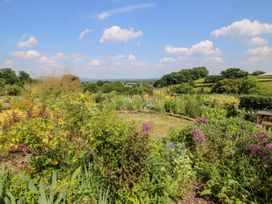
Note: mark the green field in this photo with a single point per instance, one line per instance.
(161, 124)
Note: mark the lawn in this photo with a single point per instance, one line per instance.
(161, 124)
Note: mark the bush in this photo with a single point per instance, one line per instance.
(232, 158)
(227, 86)
(13, 90)
(221, 101)
(256, 102)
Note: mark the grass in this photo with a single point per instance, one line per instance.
(161, 124)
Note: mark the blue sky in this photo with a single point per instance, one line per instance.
(134, 38)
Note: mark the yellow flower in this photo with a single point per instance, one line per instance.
(54, 162)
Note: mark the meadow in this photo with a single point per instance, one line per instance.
(63, 141)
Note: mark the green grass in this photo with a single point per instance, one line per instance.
(161, 124)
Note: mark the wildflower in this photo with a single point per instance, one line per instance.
(254, 149)
(145, 128)
(262, 136)
(198, 135)
(201, 120)
(21, 148)
(268, 147)
(260, 126)
(267, 160)
(54, 162)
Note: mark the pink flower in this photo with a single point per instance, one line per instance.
(262, 136)
(201, 120)
(254, 149)
(198, 135)
(145, 128)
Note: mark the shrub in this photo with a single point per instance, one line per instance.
(13, 90)
(221, 101)
(234, 160)
(227, 86)
(256, 102)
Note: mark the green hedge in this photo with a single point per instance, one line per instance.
(256, 102)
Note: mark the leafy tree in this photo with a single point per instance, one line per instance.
(257, 73)
(183, 76)
(233, 73)
(227, 86)
(249, 86)
(212, 78)
(24, 77)
(9, 76)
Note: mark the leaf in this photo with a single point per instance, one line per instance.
(206, 192)
(42, 198)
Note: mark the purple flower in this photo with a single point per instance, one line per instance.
(201, 120)
(260, 126)
(254, 149)
(198, 135)
(145, 128)
(268, 147)
(262, 136)
(267, 160)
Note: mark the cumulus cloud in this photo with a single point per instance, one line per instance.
(204, 47)
(259, 50)
(94, 63)
(167, 60)
(105, 14)
(244, 27)
(30, 54)
(131, 58)
(117, 57)
(117, 34)
(214, 59)
(84, 32)
(27, 43)
(9, 63)
(257, 41)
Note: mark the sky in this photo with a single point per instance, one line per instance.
(133, 39)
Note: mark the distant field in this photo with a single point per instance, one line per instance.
(160, 123)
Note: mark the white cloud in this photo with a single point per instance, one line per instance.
(84, 32)
(77, 60)
(105, 14)
(259, 50)
(257, 41)
(253, 59)
(131, 58)
(167, 60)
(30, 54)
(27, 43)
(177, 50)
(9, 63)
(117, 57)
(94, 63)
(115, 33)
(214, 59)
(204, 47)
(244, 27)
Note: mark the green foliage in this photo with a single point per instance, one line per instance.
(124, 88)
(257, 73)
(183, 76)
(8, 75)
(182, 89)
(256, 102)
(213, 78)
(228, 86)
(230, 171)
(12, 90)
(233, 73)
(249, 86)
